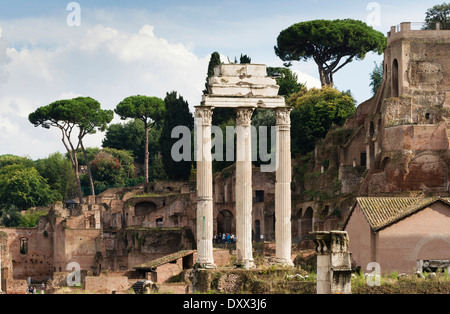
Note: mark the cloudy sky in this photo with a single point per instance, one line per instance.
(109, 50)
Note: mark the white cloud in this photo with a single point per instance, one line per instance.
(106, 64)
(308, 80)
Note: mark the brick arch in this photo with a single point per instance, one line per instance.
(429, 239)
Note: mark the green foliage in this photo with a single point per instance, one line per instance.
(245, 59)
(376, 77)
(150, 110)
(287, 80)
(213, 62)
(314, 112)
(58, 172)
(82, 114)
(177, 114)
(147, 109)
(438, 13)
(24, 187)
(110, 168)
(31, 218)
(328, 43)
(130, 136)
(10, 217)
(7, 160)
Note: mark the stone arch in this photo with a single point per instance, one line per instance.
(385, 162)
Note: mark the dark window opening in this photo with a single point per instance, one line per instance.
(23, 246)
(363, 159)
(259, 196)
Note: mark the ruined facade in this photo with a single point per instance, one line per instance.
(396, 144)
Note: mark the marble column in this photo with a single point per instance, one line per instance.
(203, 118)
(283, 237)
(244, 188)
(333, 262)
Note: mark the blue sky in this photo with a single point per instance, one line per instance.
(147, 47)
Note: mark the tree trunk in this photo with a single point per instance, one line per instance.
(73, 158)
(146, 159)
(77, 178)
(88, 169)
(325, 78)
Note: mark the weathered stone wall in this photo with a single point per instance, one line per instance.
(34, 260)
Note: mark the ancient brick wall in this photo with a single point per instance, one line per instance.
(28, 253)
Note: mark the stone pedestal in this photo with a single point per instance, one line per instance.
(333, 262)
(283, 188)
(244, 188)
(203, 118)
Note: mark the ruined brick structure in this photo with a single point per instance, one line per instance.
(396, 144)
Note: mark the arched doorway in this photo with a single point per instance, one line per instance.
(225, 221)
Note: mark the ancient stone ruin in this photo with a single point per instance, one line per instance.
(243, 87)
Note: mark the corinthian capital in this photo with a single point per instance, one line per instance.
(205, 114)
(244, 116)
(283, 115)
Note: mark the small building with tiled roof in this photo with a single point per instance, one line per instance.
(399, 233)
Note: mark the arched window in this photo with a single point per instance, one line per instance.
(23, 246)
(395, 89)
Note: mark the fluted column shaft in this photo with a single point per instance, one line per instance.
(283, 236)
(203, 118)
(244, 188)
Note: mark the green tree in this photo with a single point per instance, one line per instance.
(314, 112)
(438, 14)
(149, 110)
(31, 218)
(331, 44)
(10, 217)
(221, 115)
(129, 136)
(57, 169)
(287, 80)
(81, 115)
(177, 114)
(24, 187)
(376, 77)
(213, 62)
(245, 59)
(7, 160)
